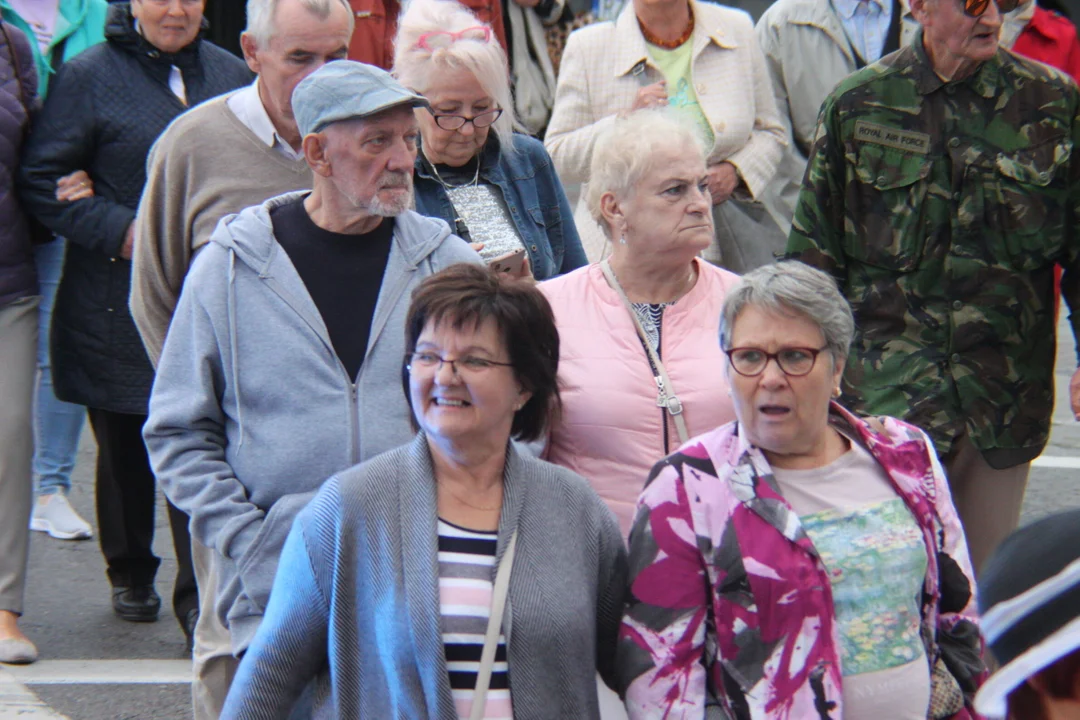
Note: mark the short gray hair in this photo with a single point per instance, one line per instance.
(485, 60)
(261, 16)
(623, 152)
(791, 287)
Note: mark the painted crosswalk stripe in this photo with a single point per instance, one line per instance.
(1057, 461)
(102, 672)
(17, 702)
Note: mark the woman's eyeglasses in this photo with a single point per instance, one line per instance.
(432, 41)
(794, 362)
(975, 8)
(429, 363)
(456, 122)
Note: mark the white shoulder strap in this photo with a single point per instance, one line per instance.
(494, 626)
(666, 397)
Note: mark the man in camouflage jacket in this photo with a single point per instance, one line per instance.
(942, 188)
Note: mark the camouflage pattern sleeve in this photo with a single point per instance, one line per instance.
(818, 227)
(1070, 256)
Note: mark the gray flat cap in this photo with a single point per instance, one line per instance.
(345, 89)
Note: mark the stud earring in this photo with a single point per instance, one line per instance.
(836, 393)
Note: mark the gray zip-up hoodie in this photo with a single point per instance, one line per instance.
(252, 410)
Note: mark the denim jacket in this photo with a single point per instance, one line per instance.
(533, 194)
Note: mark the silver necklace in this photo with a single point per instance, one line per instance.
(473, 183)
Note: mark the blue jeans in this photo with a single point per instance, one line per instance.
(57, 424)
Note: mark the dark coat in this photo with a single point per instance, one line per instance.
(18, 278)
(105, 109)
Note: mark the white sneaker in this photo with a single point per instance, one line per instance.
(53, 514)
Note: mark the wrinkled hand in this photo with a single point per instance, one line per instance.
(76, 186)
(129, 243)
(1074, 393)
(723, 179)
(654, 95)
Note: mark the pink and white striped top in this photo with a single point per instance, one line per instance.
(466, 562)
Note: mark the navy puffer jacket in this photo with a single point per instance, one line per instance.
(18, 278)
(105, 108)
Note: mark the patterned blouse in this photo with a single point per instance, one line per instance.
(731, 605)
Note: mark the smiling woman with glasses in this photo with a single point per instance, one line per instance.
(495, 188)
(818, 552)
(456, 576)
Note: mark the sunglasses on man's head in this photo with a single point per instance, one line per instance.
(975, 8)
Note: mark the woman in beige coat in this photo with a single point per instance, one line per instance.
(704, 59)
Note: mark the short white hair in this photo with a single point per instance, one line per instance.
(625, 150)
(792, 288)
(261, 16)
(485, 60)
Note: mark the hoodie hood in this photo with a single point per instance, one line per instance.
(249, 234)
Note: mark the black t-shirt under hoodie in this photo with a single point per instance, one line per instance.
(342, 273)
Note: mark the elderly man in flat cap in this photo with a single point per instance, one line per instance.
(282, 365)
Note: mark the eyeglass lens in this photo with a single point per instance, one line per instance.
(975, 8)
(454, 122)
(792, 361)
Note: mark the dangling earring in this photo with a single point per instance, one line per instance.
(622, 239)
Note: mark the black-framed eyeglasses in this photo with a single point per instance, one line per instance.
(975, 8)
(456, 122)
(792, 361)
(429, 363)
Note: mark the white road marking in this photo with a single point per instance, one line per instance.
(1056, 461)
(102, 672)
(18, 703)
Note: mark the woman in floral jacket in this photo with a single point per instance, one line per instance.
(800, 563)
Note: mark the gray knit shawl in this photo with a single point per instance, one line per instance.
(355, 604)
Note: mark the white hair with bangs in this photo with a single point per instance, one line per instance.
(485, 60)
(631, 146)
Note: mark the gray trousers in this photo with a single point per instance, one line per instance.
(18, 364)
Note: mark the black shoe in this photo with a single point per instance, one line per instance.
(191, 619)
(140, 603)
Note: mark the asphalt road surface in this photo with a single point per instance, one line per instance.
(97, 667)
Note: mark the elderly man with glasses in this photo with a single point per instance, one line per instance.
(940, 192)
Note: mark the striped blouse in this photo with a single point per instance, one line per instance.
(466, 562)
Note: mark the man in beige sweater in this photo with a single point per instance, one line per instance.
(221, 157)
(230, 153)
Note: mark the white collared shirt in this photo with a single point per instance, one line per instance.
(866, 23)
(248, 108)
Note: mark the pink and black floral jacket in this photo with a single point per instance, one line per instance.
(730, 611)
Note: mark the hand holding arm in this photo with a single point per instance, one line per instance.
(75, 186)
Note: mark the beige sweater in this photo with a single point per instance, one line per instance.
(205, 166)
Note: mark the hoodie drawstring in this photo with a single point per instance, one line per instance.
(233, 357)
